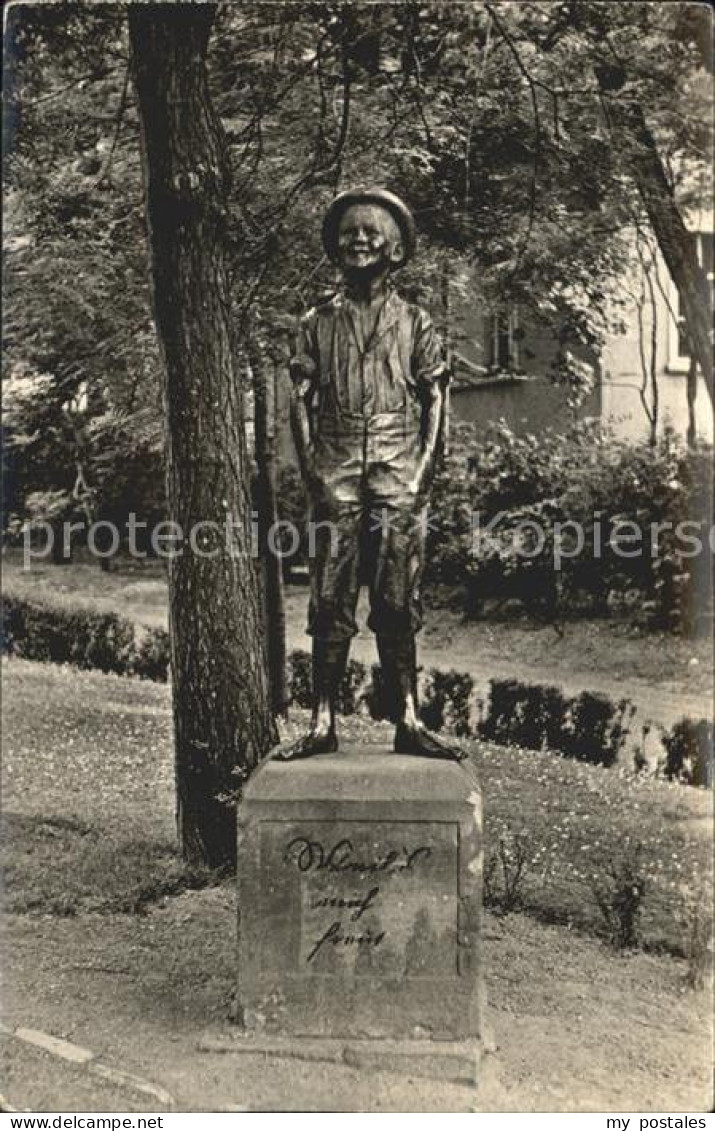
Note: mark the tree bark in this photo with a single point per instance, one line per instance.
(674, 240)
(222, 719)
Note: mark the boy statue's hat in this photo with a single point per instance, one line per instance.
(378, 196)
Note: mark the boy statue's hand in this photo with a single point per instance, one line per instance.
(300, 422)
(420, 485)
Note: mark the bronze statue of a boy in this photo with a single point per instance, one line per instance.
(367, 412)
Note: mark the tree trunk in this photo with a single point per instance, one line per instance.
(691, 390)
(446, 329)
(222, 719)
(675, 242)
(264, 421)
(677, 248)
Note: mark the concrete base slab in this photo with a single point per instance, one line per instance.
(456, 1062)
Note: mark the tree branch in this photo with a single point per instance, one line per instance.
(537, 134)
(94, 76)
(117, 127)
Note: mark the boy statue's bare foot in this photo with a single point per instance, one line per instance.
(318, 740)
(416, 739)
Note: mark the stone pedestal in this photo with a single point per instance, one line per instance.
(359, 892)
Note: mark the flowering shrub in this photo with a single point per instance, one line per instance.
(590, 483)
(506, 868)
(619, 891)
(695, 914)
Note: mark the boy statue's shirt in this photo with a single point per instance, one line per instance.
(369, 373)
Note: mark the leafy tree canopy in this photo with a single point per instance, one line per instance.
(492, 119)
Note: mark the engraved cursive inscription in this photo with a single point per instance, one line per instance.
(336, 937)
(359, 905)
(312, 855)
(339, 859)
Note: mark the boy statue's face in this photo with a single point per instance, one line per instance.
(369, 240)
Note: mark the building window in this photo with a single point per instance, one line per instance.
(502, 346)
(678, 347)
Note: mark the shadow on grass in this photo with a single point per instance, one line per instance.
(54, 865)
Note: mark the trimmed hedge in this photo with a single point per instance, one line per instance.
(152, 656)
(690, 752)
(83, 638)
(446, 698)
(588, 727)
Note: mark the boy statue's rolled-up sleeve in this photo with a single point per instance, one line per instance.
(428, 361)
(306, 359)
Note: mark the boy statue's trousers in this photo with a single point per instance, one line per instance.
(366, 524)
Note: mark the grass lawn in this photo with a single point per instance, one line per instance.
(87, 790)
(137, 590)
(88, 800)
